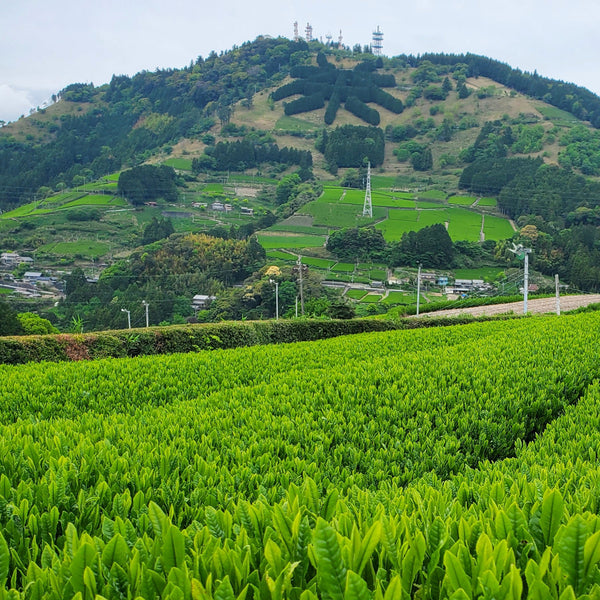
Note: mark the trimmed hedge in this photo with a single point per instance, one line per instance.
(193, 338)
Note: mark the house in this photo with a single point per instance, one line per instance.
(463, 286)
(31, 276)
(228, 207)
(246, 210)
(442, 281)
(202, 301)
(218, 206)
(12, 259)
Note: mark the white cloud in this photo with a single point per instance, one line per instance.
(14, 102)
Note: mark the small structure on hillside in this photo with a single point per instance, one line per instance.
(202, 301)
(13, 259)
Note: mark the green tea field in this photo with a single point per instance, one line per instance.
(396, 213)
(453, 462)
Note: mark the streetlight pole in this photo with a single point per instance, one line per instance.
(146, 305)
(128, 317)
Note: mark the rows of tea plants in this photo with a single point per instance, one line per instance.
(455, 463)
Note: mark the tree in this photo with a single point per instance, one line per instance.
(422, 160)
(463, 91)
(356, 243)
(287, 187)
(157, 230)
(431, 246)
(9, 323)
(148, 182)
(33, 324)
(224, 113)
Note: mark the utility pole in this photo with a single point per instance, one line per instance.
(418, 288)
(557, 295)
(523, 254)
(276, 298)
(526, 252)
(301, 285)
(146, 305)
(128, 317)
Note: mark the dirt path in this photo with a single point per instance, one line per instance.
(538, 305)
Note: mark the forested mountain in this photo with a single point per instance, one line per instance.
(122, 122)
(93, 131)
(300, 112)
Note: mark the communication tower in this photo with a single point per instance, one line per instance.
(296, 36)
(377, 45)
(309, 32)
(368, 206)
(340, 40)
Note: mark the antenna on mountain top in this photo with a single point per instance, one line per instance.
(523, 254)
(340, 39)
(309, 32)
(296, 36)
(377, 45)
(368, 206)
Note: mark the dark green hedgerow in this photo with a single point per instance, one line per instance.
(193, 338)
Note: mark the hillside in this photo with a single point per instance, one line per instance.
(485, 151)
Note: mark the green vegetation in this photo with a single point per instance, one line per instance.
(96, 200)
(485, 273)
(83, 248)
(286, 123)
(356, 294)
(556, 115)
(456, 460)
(433, 194)
(462, 200)
(181, 164)
(341, 215)
(290, 240)
(320, 263)
(278, 254)
(343, 267)
(371, 298)
(397, 297)
(497, 228)
(355, 87)
(466, 225)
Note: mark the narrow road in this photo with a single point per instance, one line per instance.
(536, 305)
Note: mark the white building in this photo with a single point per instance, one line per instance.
(12, 259)
(202, 301)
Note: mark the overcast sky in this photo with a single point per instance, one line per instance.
(46, 45)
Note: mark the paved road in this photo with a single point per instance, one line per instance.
(538, 305)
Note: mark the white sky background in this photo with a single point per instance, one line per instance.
(45, 46)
